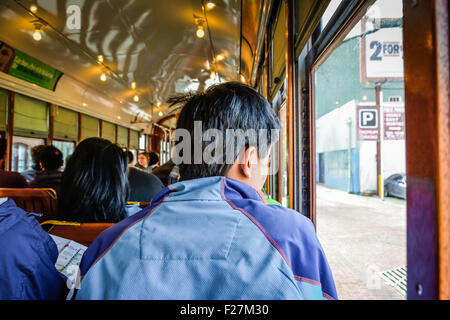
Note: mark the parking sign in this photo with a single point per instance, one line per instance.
(368, 127)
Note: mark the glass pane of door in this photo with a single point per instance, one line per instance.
(360, 147)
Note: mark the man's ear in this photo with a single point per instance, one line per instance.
(249, 158)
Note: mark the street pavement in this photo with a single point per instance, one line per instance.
(362, 237)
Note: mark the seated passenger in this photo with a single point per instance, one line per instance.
(153, 160)
(50, 161)
(27, 257)
(212, 235)
(35, 153)
(143, 162)
(143, 186)
(9, 179)
(168, 173)
(94, 185)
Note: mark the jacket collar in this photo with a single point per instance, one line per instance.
(210, 188)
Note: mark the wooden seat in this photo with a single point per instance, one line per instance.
(40, 200)
(83, 233)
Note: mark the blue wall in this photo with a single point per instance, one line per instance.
(336, 170)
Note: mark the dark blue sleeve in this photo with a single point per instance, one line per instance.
(27, 262)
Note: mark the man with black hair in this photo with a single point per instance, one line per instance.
(50, 161)
(212, 235)
(35, 154)
(143, 186)
(9, 179)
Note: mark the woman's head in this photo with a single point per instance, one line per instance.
(143, 159)
(94, 185)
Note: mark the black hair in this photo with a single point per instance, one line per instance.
(51, 158)
(94, 185)
(130, 156)
(153, 158)
(230, 105)
(3, 146)
(36, 152)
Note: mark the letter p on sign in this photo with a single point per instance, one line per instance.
(368, 118)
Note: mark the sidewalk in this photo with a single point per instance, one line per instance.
(362, 237)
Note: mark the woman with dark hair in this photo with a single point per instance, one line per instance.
(94, 186)
(143, 162)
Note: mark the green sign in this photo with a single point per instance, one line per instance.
(34, 71)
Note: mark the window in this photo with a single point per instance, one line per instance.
(66, 147)
(143, 142)
(357, 88)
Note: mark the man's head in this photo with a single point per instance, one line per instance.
(226, 131)
(130, 157)
(36, 153)
(153, 158)
(51, 158)
(3, 146)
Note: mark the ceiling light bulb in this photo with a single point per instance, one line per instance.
(84, 104)
(200, 32)
(33, 8)
(103, 77)
(220, 57)
(210, 5)
(212, 75)
(133, 85)
(158, 102)
(100, 58)
(243, 79)
(160, 114)
(136, 98)
(37, 35)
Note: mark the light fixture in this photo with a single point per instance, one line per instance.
(84, 104)
(212, 75)
(158, 103)
(210, 5)
(133, 85)
(136, 98)
(33, 8)
(220, 57)
(118, 117)
(160, 114)
(243, 80)
(364, 98)
(103, 77)
(100, 58)
(200, 33)
(37, 31)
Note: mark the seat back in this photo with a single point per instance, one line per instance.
(83, 233)
(40, 200)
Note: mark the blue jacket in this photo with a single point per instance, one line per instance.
(27, 257)
(208, 238)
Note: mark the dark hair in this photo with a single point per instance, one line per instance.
(3, 146)
(35, 153)
(230, 105)
(153, 158)
(130, 156)
(51, 158)
(94, 185)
